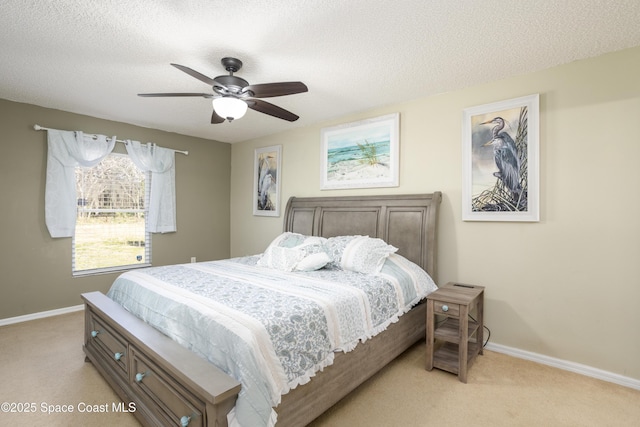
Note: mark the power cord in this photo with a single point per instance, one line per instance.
(440, 322)
(485, 327)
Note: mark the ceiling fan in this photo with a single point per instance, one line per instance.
(233, 95)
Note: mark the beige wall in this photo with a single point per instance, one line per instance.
(568, 286)
(35, 270)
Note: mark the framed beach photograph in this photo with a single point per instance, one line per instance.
(266, 180)
(361, 154)
(500, 149)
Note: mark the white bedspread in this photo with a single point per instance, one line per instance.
(270, 330)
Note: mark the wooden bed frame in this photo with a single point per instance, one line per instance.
(169, 385)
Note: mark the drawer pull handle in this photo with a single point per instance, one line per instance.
(184, 421)
(118, 356)
(140, 376)
(445, 308)
(94, 333)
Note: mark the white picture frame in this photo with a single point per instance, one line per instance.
(267, 176)
(501, 183)
(362, 154)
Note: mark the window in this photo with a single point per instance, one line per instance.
(111, 232)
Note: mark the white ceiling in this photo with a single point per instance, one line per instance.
(94, 56)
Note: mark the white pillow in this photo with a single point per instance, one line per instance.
(314, 261)
(288, 240)
(295, 252)
(365, 254)
(279, 258)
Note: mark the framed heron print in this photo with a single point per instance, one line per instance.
(500, 149)
(361, 154)
(266, 181)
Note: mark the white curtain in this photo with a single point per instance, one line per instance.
(66, 150)
(161, 163)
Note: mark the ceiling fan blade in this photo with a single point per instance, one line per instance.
(270, 109)
(204, 95)
(215, 118)
(194, 73)
(268, 90)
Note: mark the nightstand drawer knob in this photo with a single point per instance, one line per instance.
(184, 421)
(445, 307)
(140, 376)
(118, 356)
(94, 333)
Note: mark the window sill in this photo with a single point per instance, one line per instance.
(108, 270)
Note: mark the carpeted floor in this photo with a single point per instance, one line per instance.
(42, 370)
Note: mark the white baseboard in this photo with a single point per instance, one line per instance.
(510, 351)
(40, 315)
(566, 365)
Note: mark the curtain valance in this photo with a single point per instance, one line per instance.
(68, 149)
(162, 202)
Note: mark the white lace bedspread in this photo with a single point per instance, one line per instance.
(271, 330)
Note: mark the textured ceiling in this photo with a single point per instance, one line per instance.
(94, 56)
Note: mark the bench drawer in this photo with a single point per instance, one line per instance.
(110, 345)
(156, 387)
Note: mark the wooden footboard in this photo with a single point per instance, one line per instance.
(167, 384)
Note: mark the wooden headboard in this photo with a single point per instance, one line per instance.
(408, 222)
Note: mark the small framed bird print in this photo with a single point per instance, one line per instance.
(266, 180)
(500, 150)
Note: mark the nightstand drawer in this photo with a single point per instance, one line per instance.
(446, 308)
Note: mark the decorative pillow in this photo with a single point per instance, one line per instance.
(313, 261)
(293, 251)
(365, 254)
(335, 247)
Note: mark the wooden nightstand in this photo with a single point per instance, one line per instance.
(460, 336)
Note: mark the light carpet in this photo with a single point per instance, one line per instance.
(42, 370)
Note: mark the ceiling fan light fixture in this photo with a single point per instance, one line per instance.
(232, 95)
(229, 107)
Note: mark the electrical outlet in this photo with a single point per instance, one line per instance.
(193, 259)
